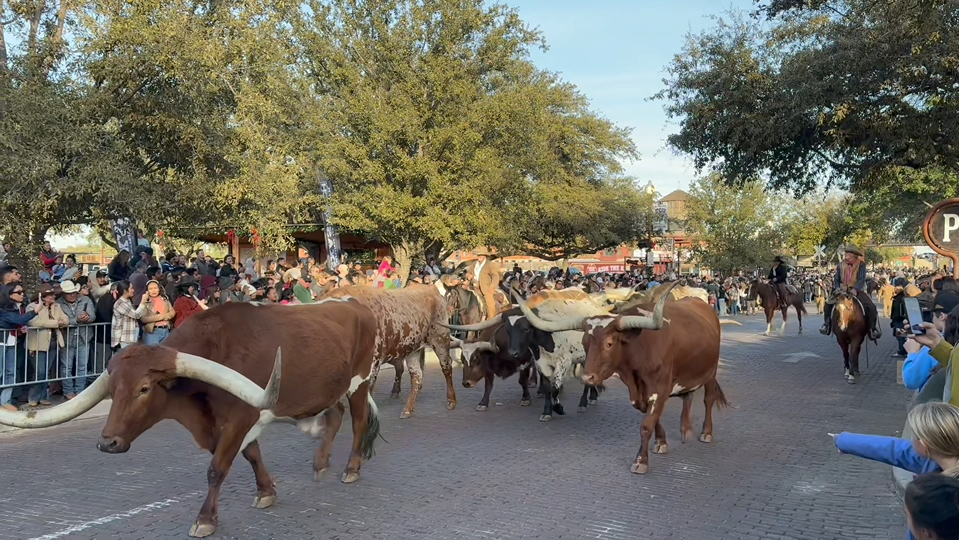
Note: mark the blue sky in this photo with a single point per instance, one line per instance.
(616, 52)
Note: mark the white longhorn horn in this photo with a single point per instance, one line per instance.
(234, 382)
(569, 323)
(86, 400)
(474, 327)
(456, 344)
(655, 322)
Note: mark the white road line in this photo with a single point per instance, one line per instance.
(107, 519)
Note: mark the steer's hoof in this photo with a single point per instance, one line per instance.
(200, 530)
(639, 468)
(450, 405)
(580, 409)
(524, 403)
(263, 501)
(705, 438)
(350, 476)
(687, 435)
(659, 448)
(318, 474)
(545, 417)
(481, 407)
(405, 414)
(593, 402)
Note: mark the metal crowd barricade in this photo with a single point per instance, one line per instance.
(83, 356)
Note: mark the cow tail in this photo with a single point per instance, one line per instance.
(372, 429)
(721, 401)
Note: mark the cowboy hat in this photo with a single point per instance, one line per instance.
(778, 258)
(481, 251)
(851, 248)
(69, 287)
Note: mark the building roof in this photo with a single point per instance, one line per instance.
(678, 195)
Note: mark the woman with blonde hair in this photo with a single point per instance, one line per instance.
(934, 446)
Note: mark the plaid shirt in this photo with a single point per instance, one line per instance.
(125, 317)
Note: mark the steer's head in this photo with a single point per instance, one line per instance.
(140, 378)
(474, 361)
(521, 335)
(605, 338)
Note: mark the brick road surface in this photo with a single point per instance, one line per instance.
(772, 471)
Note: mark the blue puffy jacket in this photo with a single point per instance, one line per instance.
(917, 369)
(889, 450)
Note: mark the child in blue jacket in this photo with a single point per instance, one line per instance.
(934, 446)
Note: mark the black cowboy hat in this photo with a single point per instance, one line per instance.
(778, 258)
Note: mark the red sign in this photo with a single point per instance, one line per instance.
(598, 268)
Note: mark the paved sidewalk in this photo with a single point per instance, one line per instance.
(772, 471)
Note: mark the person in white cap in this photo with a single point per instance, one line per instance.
(80, 312)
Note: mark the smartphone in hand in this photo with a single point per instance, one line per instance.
(914, 314)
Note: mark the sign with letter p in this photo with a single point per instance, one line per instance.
(941, 230)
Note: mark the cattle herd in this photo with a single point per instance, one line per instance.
(229, 371)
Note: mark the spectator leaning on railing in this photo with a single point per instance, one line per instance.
(13, 317)
(48, 322)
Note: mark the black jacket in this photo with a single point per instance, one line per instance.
(898, 308)
(778, 273)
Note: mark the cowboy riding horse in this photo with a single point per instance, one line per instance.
(851, 279)
(777, 277)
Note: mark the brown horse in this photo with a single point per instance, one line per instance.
(849, 326)
(770, 302)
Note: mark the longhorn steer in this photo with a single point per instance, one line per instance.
(488, 358)
(408, 320)
(206, 376)
(671, 352)
(554, 354)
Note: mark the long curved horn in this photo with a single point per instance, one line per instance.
(655, 322)
(86, 400)
(210, 372)
(570, 323)
(474, 327)
(456, 344)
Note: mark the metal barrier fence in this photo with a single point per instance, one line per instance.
(33, 359)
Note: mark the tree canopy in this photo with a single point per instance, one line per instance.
(856, 94)
(435, 127)
(439, 133)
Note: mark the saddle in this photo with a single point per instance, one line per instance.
(791, 289)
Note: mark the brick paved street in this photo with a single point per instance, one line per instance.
(772, 471)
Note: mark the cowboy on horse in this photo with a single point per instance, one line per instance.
(851, 278)
(777, 276)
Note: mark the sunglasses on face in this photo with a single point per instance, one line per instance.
(16, 292)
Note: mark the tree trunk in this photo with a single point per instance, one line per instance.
(404, 253)
(26, 257)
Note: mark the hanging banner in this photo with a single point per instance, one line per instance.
(329, 232)
(125, 234)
